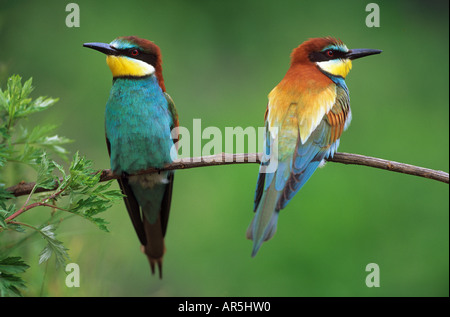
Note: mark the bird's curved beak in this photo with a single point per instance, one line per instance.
(102, 47)
(361, 52)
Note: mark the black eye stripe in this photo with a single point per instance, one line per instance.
(128, 51)
(323, 56)
(149, 58)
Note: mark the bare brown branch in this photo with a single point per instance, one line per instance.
(226, 159)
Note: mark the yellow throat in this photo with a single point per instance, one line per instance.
(336, 67)
(125, 66)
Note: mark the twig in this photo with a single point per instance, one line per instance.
(26, 207)
(227, 159)
(22, 210)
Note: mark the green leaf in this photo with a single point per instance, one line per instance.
(27, 88)
(28, 155)
(12, 265)
(40, 104)
(90, 200)
(5, 212)
(9, 282)
(45, 177)
(37, 134)
(16, 102)
(4, 195)
(53, 246)
(37, 140)
(89, 207)
(60, 169)
(3, 101)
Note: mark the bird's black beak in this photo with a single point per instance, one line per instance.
(361, 52)
(102, 47)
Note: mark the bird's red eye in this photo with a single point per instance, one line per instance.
(330, 53)
(134, 52)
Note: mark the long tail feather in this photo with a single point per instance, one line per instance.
(153, 192)
(264, 223)
(155, 248)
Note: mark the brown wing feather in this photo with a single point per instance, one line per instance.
(259, 190)
(133, 209)
(338, 116)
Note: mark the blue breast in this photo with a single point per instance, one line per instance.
(138, 125)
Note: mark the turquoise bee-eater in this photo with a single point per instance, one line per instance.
(139, 119)
(305, 117)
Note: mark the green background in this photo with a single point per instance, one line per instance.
(221, 59)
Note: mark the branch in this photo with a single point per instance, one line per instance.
(227, 159)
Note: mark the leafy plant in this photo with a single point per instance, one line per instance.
(9, 281)
(75, 190)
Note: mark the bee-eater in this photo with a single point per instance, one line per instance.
(139, 118)
(305, 117)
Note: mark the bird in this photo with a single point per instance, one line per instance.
(139, 120)
(305, 116)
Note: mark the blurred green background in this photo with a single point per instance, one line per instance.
(221, 59)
